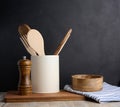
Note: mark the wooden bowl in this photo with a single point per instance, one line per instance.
(87, 82)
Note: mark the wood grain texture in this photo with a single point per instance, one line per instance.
(25, 85)
(13, 96)
(87, 82)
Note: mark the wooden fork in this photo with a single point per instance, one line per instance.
(26, 45)
(23, 29)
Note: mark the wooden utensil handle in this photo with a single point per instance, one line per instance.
(62, 43)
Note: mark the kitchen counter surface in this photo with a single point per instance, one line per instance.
(56, 103)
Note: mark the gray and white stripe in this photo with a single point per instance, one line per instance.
(107, 94)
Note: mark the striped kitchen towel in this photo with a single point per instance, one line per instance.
(109, 93)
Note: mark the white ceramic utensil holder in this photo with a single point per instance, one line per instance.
(45, 74)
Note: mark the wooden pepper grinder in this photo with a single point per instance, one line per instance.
(24, 86)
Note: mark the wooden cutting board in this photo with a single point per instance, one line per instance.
(12, 96)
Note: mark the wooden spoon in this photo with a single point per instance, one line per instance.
(62, 43)
(36, 41)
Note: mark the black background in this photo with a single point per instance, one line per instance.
(93, 48)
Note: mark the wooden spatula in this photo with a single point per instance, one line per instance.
(62, 43)
(36, 41)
